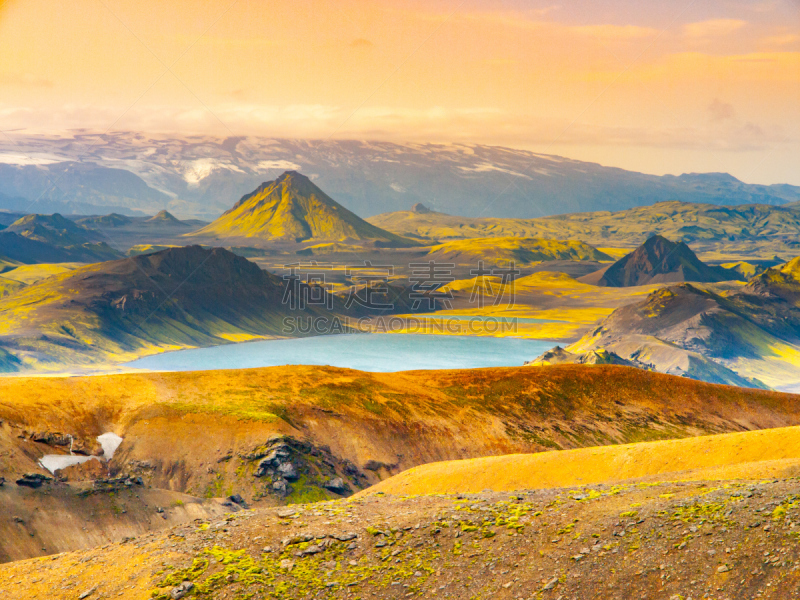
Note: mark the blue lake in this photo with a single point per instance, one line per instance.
(366, 352)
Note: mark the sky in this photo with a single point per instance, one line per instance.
(659, 87)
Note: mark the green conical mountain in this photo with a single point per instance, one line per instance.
(293, 209)
(164, 217)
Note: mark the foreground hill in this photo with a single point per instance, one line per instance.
(752, 454)
(732, 539)
(293, 209)
(741, 228)
(658, 260)
(208, 433)
(753, 330)
(58, 517)
(178, 297)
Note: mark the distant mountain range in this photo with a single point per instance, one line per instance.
(292, 209)
(76, 188)
(198, 176)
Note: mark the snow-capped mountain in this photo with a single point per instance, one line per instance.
(201, 176)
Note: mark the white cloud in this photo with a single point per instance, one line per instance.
(713, 28)
(435, 124)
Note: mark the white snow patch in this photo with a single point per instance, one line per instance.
(199, 170)
(53, 462)
(110, 442)
(485, 167)
(278, 164)
(14, 158)
(203, 167)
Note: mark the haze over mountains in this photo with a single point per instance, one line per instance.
(196, 176)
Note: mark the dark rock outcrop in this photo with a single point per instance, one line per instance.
(337, 486)
(420, 208)
(289, 465)
(33, 480)
(658, 260)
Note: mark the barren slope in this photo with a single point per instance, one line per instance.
(663, 541)
(209, 433)
(751, 454)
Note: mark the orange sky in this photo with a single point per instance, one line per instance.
(667, 87)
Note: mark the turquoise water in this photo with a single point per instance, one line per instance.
(365, 352)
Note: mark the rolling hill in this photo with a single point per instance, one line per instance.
(206, 432)
(748, 229)
(123, 232)
(658, 260)
(54, 229)
(293, 209)
(751, 454)
(19, 248)
(112, 220)
(519, 250)
(107, 312)
(52, 238)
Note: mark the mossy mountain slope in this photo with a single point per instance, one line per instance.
(107, 312)
(519, 250)
(293, 209)
(686, 326)
(742, 228)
